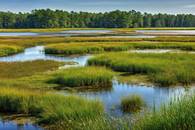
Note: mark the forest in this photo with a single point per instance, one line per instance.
(47, 18)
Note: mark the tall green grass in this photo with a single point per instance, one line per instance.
(85, 48)
(163, 69)
(99, 47)
(29, 41)
(48, 108)
(187, 46)
(179, 115)
(84, 76)
(132, 103)
(6, 50)
(172, 39)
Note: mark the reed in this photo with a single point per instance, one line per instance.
(177, 115)
(48, 108)
(6, 50)
(132, 103)
(164, 69)
(84, 76)
(172, 39)
(85, 48)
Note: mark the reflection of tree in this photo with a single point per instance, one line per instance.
(20, 127)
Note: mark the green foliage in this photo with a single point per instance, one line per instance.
(132, 103)
(163, 69)
(84, 76)
(47, 18)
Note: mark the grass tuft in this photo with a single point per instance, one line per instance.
(177, 115)
(132, 103)
(84, 76)
(163, 69)
(49, 108)
(6, 50)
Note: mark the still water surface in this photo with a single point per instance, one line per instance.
(9, 125)
(37, 53)
(152, 95)
(167, 32)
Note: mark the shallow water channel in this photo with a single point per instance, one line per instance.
(62, 33)
(37, 53)
(69, 33)
(153, 96)
(10, 125)
(167, 32)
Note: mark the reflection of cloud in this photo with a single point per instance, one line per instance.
(190, 6)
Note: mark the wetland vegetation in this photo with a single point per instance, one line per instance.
(6, 50)
(177, 115)
(83, 77)
(132, 103)
(95, 91)
(163, 69)
(49, 108)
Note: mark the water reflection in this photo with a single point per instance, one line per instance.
(86, 31)
(151, 95)
(9, 125)
(130, 36)
(67, 33)
(37, 53)
(18, 34)
(167, 32)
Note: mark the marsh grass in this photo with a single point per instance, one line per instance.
(47, 29)
(49, 108)
(6, 50)
(187, 46)
(83, 77)
(132, 103)
(177, 115)
(23, 69)
(83, 45)
(172, 39)
(100, 47)
(164, 69)
(85, 48)
(137, 79)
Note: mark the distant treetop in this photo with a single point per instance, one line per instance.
(47, 18)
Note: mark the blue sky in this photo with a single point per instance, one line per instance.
(152, 6)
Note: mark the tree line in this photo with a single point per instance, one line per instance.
(47, 18)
